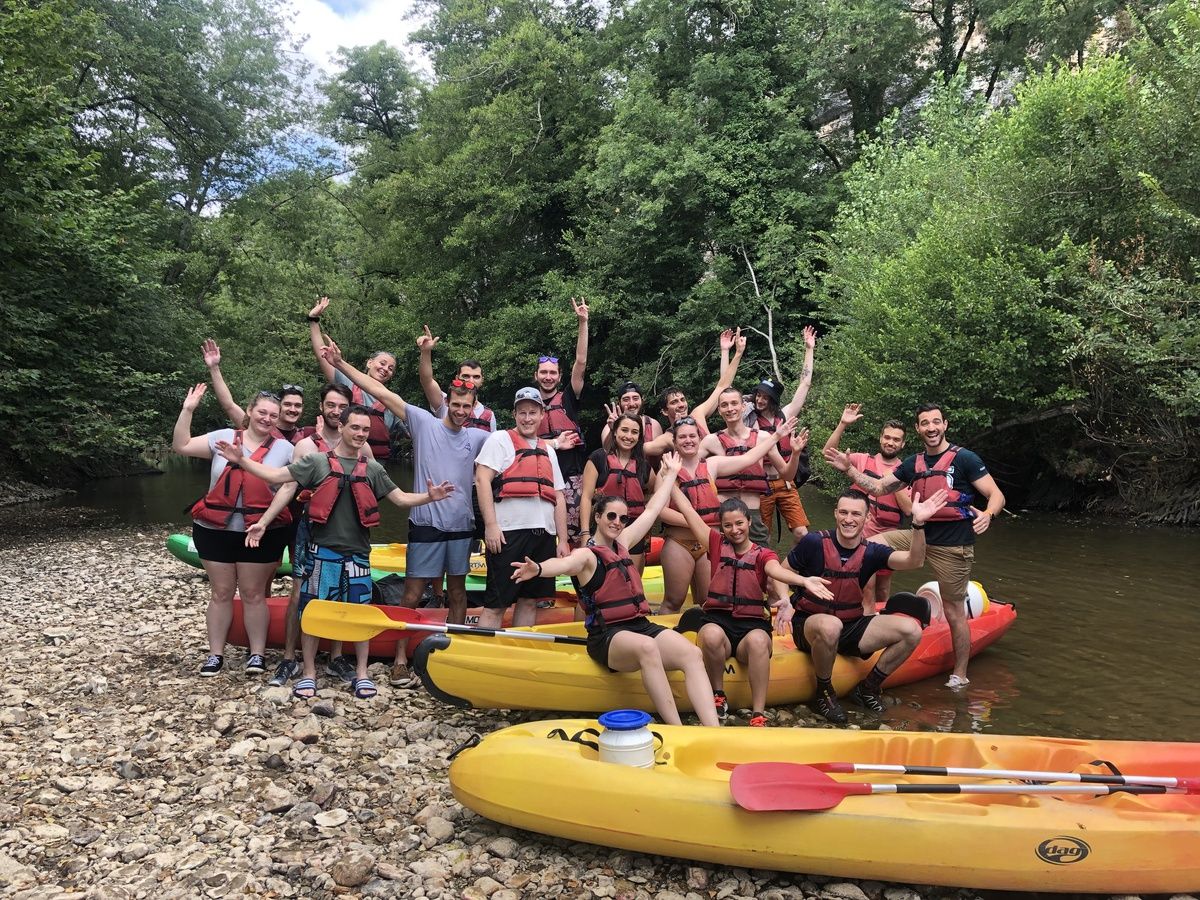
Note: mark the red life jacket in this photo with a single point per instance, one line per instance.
(620, 597)
(770, 426)
(310, 431)
(844, 582)
(623, 482)
(753, 479)
(530, 474)
(325, 495)
(217, 506)
(556, 421)
(884, 510)
(699, 490)
(929, 481)
(380, 437)
(734, 586)
(294, 436)
(483, 421)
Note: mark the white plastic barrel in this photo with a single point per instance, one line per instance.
(977, 600)
(625, 739)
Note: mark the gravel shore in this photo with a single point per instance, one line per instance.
(129, 776)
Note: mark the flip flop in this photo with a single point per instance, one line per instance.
(303, 685)
(363, 688)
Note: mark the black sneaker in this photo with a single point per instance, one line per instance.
(721, 703)
(870, 699)
(212, 666)
(342, 667)
(827, 705)
(255, 664)
(285, 672)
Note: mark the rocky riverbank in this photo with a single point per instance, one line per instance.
(14, 491)
(126, 775)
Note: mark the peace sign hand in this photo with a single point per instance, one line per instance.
(614, 410)
(581, 308)
(427, 341)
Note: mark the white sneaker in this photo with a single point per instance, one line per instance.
(957, 681)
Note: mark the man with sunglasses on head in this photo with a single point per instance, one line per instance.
(386, 426)
(470, 373)
(561, 418)
(439, 536)
(290, 397)
(520, 490)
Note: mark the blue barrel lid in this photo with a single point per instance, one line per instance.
(625, 719)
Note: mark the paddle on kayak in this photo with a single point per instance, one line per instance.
(358, 622)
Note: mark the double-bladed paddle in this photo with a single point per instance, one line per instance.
(762, 787)
(952, 772)
(359, 622)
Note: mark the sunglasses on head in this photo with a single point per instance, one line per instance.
(292, 389)
(685, 420)
(611, 516)
(267, 395)
(459, 383)
(549, 359)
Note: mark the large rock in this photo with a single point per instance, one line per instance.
(353, 868)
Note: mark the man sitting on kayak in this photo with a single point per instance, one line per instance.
(844, 561)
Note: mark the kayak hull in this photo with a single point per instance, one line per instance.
(384, 644)
(507, 673)
(527, 777)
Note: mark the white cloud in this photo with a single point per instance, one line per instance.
(369, 22)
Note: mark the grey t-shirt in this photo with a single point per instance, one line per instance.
(278, 456)
(343, 533)
(442, 454)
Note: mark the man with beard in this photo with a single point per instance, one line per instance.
(887, 511)
(291, 397)
(561, 416)
(440, 536)
(952, 531)
(831, 619)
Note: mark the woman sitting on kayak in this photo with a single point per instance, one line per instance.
(620, 636)
(619, 469)
(684, 558)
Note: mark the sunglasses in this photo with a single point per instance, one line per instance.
(459, 383)
(550, 359)
(268, 395)
(685, 420)
(612, 517)
(292, 389)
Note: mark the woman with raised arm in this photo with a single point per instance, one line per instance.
(235, 501)
(619, 469)
(620, 636)
(684, 558)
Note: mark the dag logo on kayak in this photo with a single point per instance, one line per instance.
(1062, 851)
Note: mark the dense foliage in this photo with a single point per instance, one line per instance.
(992, 202)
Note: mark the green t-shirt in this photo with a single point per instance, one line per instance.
(343, 533)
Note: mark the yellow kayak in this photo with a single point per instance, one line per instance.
(394, 558)
(530, 777)
(510, 673)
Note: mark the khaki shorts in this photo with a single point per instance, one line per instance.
(951, 566)
(783, 497)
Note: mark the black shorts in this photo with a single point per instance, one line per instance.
(601, 636)
(502, 592)
(477, 532)
(642, 546)
(735, 628)
(217, 545)
(852, 632)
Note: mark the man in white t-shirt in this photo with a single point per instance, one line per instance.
(520, 490)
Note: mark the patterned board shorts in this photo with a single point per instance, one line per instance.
(332, 576)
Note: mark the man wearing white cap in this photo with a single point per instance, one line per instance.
(520, 490)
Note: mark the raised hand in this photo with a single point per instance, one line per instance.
(230, 452)
(818, 587)
(581, 308)
(787, 429)
(254, 534)
(810, 337)
(800, 439)
(426, 341)
(525, 571)
(923, 510)
(727, 339)
(669, 466)
(212, 353)
(851, 414)
(838, 459)
(439, 491)
(322, 303)
(739, 341)
(331, 353)
(194, 396)
(613, 409)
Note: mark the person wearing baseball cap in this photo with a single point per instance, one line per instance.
(520, 489)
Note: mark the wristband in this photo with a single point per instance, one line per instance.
(314, 318)
(917, 527)
(539, 574)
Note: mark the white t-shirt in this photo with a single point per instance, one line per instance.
(515, 513)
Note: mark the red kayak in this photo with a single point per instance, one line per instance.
(935, 654)
(385, 644)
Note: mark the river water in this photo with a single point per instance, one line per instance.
(1105, 644)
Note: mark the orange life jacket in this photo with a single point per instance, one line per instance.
(752, 479)
(325, 495)
(380, 437)
(556, 421)
(884, 510)
(530, 474)
(770, 426)
(929, 481)
(734, 586)
(623, 482)
(844, 582)
(699, 490)
(483, 421)
(620, 597)
(217, 506)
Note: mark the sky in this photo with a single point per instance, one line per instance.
(330, 24)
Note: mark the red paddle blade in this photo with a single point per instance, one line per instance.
(764, 787)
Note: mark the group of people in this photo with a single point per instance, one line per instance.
(544, 507)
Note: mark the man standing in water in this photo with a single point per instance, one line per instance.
(950, 534)
(562, 416)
